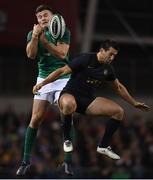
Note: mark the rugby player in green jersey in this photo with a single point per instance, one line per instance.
(50, 54)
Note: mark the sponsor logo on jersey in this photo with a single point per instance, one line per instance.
(93, 81)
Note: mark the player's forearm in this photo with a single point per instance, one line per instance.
(52, 77)
(32, 48)
(122, 91)
(56, 51)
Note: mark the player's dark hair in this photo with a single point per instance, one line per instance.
(43, 7)
(109, 43)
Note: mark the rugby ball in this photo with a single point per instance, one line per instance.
(57, 26)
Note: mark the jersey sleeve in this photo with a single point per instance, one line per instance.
(29, 36)
(109, 73)
(78, 63)
(66, 37)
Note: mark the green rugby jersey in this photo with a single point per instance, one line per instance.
(48, 63)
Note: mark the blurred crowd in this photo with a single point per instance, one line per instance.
(133, 142)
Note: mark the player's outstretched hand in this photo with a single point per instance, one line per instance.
(36, 88)
(142, 106)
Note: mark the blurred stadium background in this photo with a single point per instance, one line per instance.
(130, 23)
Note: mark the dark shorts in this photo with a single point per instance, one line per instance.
(81, 100)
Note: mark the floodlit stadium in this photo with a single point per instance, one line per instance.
(130, 24)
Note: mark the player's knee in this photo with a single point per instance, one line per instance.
(119, 113)
(68, 106)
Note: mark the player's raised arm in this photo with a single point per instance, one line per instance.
(52, 77)
(123, 92)
(32, 46)
(60, 50)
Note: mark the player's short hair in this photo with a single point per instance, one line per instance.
(106, 44)
(43, 7)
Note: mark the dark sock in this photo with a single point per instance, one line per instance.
(67, 123)
(29, 141)
(111, 126)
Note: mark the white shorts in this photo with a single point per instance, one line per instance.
(50, 92)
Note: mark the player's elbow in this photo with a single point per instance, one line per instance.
(119, 89)
(31, 55)
(65, 70)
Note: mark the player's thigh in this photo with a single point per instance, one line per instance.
(67, 100)
(39, 107)
(103, 106)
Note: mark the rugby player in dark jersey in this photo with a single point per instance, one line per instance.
(89, 70)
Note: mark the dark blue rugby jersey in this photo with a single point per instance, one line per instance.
(88, 73)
